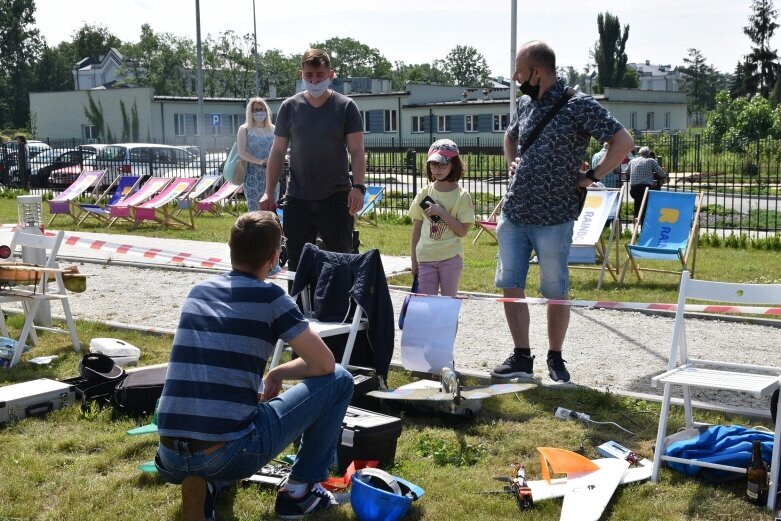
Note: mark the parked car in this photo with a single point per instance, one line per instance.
(145, 159)
(8, 153)
(41, 164)
(59, 173)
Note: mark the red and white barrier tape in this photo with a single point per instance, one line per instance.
(148, 252)
(636, 306)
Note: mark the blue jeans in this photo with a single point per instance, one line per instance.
(312, 410)
(550, 243)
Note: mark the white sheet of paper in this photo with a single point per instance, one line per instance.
(429, 333)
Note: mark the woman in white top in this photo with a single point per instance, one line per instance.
(254, 140)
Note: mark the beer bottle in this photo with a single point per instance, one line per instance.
(756, 476)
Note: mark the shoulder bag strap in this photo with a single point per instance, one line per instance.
(535, 133)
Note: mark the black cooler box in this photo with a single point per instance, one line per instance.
(367, 435)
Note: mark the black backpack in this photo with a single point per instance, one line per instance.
(140, 390)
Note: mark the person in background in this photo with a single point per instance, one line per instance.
(22, 159)
(611, 180)
(541, 203)
(253, 142)
(322, 127)
(439, 229)
(641, 178)
(218, 419)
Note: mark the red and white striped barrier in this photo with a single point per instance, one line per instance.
(635, 306)
(138, 251)
(148, 252)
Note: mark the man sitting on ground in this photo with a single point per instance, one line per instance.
(218, 422)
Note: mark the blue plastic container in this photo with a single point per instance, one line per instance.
(373, 504)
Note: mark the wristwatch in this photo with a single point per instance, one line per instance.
(590, 175)
(362, 188)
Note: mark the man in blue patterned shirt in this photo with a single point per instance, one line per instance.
(541, 203)
(217, 421)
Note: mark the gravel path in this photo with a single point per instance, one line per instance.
(605, 349)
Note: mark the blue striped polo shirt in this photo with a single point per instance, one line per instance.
(227, 331)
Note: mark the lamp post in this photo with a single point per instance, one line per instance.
(257, 66)
(199, 88)
(513, 50)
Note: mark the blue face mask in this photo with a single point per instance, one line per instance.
(316, 89)
(259, 116)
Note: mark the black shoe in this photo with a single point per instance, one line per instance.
(317, 498)
(516, 366)
(556, 369)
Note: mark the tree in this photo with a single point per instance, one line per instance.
(162, 61)
(700, 82)
(609, 52)
(92, 41)
(279, 70)
(94, 114)
(572, 77)
(53, 70)
(20, 46)
(432, 73)
(734, 123)
(760, 30)
(467, 67)
(228, 65)
(350, 57)
(743, 82)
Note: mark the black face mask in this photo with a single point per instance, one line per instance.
(528, 89)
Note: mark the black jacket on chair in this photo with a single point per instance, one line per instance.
(333, 278)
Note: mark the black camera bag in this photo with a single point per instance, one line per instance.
(139, 391)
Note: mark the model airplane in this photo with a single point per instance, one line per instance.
(588, 487)
(448, 395)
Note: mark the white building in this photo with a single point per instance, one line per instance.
(419, 114)
(657, 77)
(103, 72)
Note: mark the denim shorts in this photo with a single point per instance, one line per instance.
(551, 244)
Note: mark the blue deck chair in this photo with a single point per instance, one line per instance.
(371, 199)
(120, 188)
(669, 232)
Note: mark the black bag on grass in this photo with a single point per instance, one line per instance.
(97, 380)
(140, 390)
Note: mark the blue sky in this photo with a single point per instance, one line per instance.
(417, 31)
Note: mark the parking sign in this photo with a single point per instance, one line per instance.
(216, 120)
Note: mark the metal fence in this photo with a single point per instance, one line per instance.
(740, 183)
(740, 186)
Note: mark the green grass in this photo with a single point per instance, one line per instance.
(75, 464)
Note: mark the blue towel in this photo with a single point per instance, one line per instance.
(723, 445)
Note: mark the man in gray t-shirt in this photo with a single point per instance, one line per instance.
(321, 126)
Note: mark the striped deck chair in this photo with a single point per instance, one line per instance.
(205, 183)
(64, 204)
(119, 188)
(670, 232)
(219, 200)
(371, 199)
(488, 226)
(161, 209)
(121, 210)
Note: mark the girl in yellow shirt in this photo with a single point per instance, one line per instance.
(441, 215)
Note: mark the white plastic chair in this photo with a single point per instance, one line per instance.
(687, 372)
(32, 297)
